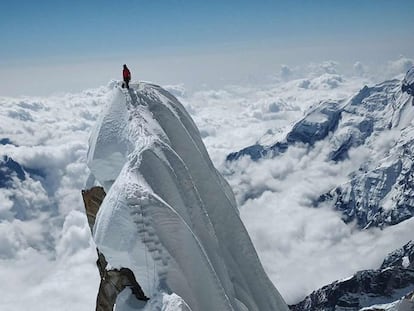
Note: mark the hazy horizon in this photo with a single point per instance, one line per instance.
(54, 47)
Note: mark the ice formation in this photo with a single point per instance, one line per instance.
(168, 215)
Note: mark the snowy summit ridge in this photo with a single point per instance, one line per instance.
(168, 215)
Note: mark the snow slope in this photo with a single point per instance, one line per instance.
(168, 214)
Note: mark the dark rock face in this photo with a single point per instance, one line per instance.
(394, 279)
(5, 141)
(255, 152)
(402, 257)
(362, 94)
(364, 130)
(113, 281)
(314, 127)
(408, 82)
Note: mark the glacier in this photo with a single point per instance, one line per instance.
(168, 215)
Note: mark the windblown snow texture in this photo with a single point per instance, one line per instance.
(380, 192)
(168, 214)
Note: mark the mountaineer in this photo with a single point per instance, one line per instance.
(127, 76)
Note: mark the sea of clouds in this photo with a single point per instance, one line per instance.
(46, 251)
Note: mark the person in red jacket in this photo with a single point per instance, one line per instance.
(127, 76)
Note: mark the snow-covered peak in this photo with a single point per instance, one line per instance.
(168, 215)
(367, 289)
(374, 130)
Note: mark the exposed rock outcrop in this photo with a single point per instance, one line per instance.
(113, 281)
(393, 280)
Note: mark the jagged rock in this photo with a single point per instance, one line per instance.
(92, 200)
(113, 281)
(408, 82)
(402, 257)
(404, 304)
(394, 279)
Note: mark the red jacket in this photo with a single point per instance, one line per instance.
(126, 73)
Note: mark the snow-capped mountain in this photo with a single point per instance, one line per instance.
(376, 123)
(386, 285)
(406, 303)
(168, 215)
(43, 223)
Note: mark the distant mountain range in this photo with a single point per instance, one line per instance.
(384, 286)
(379, 192)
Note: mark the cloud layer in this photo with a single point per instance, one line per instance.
(302, 248)
(46, 251)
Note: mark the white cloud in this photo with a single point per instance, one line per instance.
(17, 235)
(330, 67)
(295, 240)
(326, 81)
(285, 72)
(302, 248)
(75, 235)
(399, 66)
(359, 69)
(5, 202)
(38, 282)
(177, 90)
(51, 258)
(48, 253)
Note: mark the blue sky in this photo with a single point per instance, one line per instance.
(47, 33)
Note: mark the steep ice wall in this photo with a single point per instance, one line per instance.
(168, 214)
